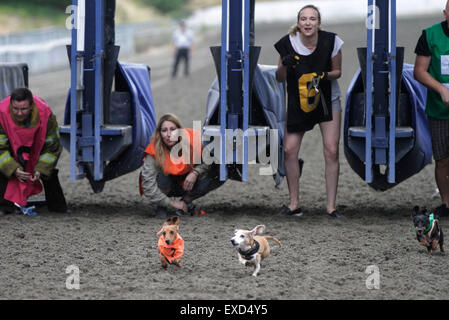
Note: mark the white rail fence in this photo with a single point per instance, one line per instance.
(45, 49)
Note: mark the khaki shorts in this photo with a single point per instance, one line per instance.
(439, 133)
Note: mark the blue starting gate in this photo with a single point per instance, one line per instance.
(105, 131)
(386, 135)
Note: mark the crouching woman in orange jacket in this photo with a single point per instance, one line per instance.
(173, 168)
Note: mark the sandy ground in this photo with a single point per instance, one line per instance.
(111, 236)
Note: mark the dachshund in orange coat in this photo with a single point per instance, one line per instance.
(170, 244)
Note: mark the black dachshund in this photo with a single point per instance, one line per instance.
(428, 231)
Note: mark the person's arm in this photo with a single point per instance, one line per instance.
(335, 73)
(281, 72)
(190, 180)
(201, 168)
(192, 177)
(50, 151)
(173, 43)
(423, 76)
(8, 165)
(149, 184)
(151, 189)
(192, 40)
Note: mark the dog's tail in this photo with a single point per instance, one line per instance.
(274, 239)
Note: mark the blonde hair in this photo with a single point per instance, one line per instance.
(161, 149)
(294, 28)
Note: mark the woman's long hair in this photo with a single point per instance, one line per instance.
(161, 149)
(294, 29)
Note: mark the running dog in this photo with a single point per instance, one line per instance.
(170, 244)
(252, 247)
(428, 230)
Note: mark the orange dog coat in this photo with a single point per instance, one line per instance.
(173, 251)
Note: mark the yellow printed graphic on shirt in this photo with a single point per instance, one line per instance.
(307, 91)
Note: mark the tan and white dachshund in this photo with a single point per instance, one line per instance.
(252, 247)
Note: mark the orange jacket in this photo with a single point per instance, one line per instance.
(173, 251)
(183, 167)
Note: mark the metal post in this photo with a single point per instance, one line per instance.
(99, 54)
(380, 85)
(73, 93)
(393, 93)
(369, 91)
(77, 85)
(246, 89)
(223, 88)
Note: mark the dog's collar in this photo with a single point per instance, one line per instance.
(248, 255)
(431, 221)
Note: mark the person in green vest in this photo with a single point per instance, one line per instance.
(432, 70)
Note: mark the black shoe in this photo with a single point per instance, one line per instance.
(442, 211)
(295, 213)
(335, 214)
(2, 212)
(190, 208)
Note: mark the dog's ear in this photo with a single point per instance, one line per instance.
(416, 210)
(258, 230)
(172, 220)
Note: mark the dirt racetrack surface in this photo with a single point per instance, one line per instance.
(111, 236)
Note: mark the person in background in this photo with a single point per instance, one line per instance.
(310, 62)
(29, 151)
(432, 70)
(183, 42)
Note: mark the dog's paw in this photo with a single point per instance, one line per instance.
(177, 263)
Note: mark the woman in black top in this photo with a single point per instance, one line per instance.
(310, 62)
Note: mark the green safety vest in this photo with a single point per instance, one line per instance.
(438, 43)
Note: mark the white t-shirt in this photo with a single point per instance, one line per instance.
(183, 39)
(300, 48)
